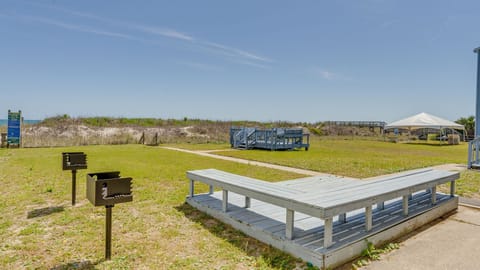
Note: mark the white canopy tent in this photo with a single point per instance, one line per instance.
(425, 120)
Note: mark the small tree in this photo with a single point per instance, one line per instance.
(468, 123)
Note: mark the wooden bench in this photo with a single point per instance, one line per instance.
(326, 200)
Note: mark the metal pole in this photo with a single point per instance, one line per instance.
(477, 109)
(74, 185)
(108, 232)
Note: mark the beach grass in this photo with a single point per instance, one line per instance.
(40, 229)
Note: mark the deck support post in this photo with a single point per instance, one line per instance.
(434, 195)
(381, 205)
(191, 188)
(405, 205)
(452, 188)
(247, 202)
(368, 218)
(342, 218)
(289, 224)
(327, 232)
(210, 191)
(225, 200)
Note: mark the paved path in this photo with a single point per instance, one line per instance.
(250, 162)
(452, 243)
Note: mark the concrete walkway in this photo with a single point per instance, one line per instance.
(451, 243)
(249, 162)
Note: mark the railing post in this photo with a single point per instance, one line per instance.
(192, 186)
(405, 205)
(476, 149)
(247, 202)
(289, 224)
(469, 165)
(452, 188)
(225, 201)
(434, 195)
(327, 232)
(368, 218)
(381, 205)
(342, 218)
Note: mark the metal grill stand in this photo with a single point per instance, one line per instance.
(108, 231)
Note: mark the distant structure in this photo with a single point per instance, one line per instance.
(270, 139)
(370, 124)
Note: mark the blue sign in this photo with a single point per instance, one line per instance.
(14, 125)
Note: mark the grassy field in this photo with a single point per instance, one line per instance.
(39, 229)
(364, 158)
(202, 146)
(359, 158)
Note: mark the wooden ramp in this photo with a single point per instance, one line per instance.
(266, 222)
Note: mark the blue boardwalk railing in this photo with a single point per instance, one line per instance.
(271, 139)
(473, 153)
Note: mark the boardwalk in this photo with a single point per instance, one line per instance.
(266, 222)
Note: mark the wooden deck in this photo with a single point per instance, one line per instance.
(267, 222)
(270, 139)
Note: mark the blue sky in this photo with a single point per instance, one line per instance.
(239, 60)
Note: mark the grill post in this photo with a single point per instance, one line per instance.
(74, 186)
(108, 232)
(107, 189)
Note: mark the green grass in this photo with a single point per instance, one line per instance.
(467, 186)
(39, 229)
(200, 146)
(359, 158)
(102, 121)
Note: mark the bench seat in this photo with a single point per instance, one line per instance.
(329, 196)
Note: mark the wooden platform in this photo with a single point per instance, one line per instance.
(269, 139)
(266, 222)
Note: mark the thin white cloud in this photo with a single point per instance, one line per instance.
(162, 32)
(146, 29)
(247, 57)
(238, 52)
(233, 54)
(252, 64)
(79, 28)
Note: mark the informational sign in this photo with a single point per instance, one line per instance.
(14, 127)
